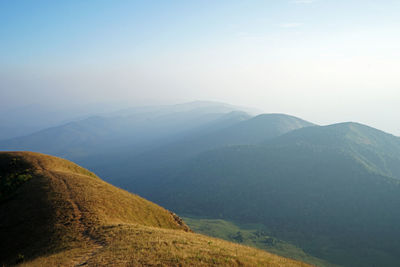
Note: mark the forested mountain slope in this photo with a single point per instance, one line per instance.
(334, 190)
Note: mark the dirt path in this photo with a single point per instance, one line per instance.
(79, 219)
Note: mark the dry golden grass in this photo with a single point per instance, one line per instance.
(67, 216)
(136, 245)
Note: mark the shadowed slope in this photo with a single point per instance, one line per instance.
(61, 214)
(141, 173)
(332, 190)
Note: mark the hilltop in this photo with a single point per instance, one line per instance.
(54, 212)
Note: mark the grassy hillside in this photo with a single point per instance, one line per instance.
(62, 214)
(333, 191)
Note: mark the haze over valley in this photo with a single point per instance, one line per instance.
(200, 133)
(321, 194)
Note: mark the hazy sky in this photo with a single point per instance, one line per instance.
(323, 60)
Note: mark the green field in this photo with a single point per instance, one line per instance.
(255, 235)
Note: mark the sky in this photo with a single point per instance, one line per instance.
(325, 61)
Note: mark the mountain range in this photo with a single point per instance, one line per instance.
(331, 191)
